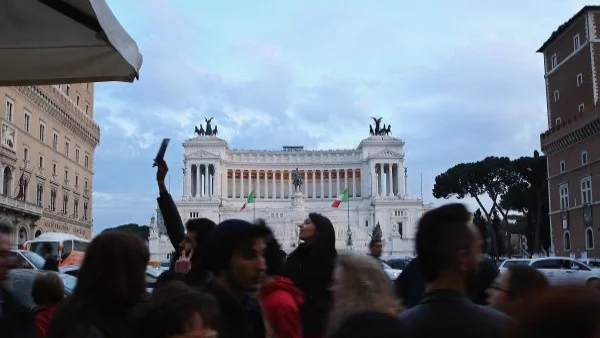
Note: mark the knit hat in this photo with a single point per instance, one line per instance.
(225, 238)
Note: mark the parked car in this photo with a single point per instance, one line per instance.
(21, 280)
(593, 263)
(397, 263)
(512, 262)
(152, 274)
(392, 273)
(27, 259)
(565, 270)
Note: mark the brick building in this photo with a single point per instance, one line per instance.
(572, 141)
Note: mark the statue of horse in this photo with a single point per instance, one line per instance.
(297, 181)
(200, 131)
(215, 131)
(371, 132)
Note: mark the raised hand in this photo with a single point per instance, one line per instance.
(184, 263)
(161, 171)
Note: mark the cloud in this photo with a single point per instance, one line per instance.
(311, 74)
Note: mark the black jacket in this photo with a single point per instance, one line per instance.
(313, 276)
(198, 275)
(237, 320)
(51, 264)
(16, 321)
(448, 313)
(410, 285)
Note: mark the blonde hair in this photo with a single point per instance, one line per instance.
(361, 284)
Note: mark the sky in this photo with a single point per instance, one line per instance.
(457, 80)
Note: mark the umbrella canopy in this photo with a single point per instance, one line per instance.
(64, 41)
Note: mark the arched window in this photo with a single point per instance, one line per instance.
(38, 233)
(7, 182)
(589, 238)
(22, 236)
(567, 241)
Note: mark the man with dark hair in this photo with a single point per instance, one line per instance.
(47, 291)
(279, 297)
(449, 251)
(234, 251)
(51, 263)
(15, 319)
(515, 288)
(187, 263)
(376, 248)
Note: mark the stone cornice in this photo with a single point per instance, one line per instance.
(575, 136)
(89, 134)
(69, 220)
(381, 141)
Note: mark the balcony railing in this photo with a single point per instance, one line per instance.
(21, 206)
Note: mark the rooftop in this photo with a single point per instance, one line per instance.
(566, 25)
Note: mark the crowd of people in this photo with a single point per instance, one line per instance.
(233, 280)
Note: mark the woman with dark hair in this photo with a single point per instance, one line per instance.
(310, 267)
(111, 282)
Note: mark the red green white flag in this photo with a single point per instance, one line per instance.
(342, 198)
(250, 199)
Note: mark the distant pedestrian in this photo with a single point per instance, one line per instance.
(51, 263)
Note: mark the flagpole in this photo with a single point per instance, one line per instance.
(349, 242)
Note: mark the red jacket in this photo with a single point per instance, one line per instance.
(42, 321)
(281, 302)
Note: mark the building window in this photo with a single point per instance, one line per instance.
(576, 42)
(579, 79)
(86, 160)
(75, 208)
(85, 185)
(564, 196)
(581, 106)
(589, 238)
(25, 155)
(42, 132)
(556, 95)
(66, 175)
(54, 169)
(85, 210)
(53, 200)
(39, 194)
(67, 148)
(567, 241)
(68, 90)
(65, 206)
(27, 121)
(558, 121)
(553, 61)
(10, 108)
(584, 159)
(76, 155)
(76, 180)
(77, 100)
(55, 141)
(563, 166)
(87, 109)
(41, 162)
(586, 190)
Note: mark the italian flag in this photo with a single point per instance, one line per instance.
(249, 200)
(340, 199)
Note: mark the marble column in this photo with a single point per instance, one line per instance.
(373, 179)
(354, 182)
(233, 189)
(305, 183)
(346, 181)
(242, 183)
(329, 179)
(337, 182)
(206, 172)
(390, 186)
(257, 193)
(266, 184)
(314, 183)
(322, 183)
(282, 196)
(199, 180)
(274, 184)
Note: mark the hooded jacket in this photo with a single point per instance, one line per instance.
(281, 301)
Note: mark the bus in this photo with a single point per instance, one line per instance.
(68, 249)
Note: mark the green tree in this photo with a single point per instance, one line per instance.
(143, 231)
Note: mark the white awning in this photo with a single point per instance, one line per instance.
(64, 41)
